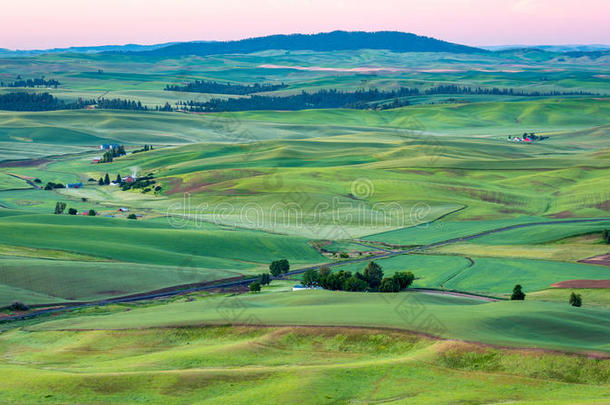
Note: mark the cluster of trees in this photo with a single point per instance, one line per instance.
(141, 182)
(332, 98)
(120, 104)
(606, 236)
(110, 154)
(360, 99)
(202, 86)
(146, 148)
(496, 91)
(22, 101)
(31, 83)
(263, 279)
(104, 181)
(50, 186)
(60, 207)
(279, 267)
(531, 136)
(371, 279)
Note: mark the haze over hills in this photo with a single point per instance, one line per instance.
(83, 49)
(330, 41)
(552, 48)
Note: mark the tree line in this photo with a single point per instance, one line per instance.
(202, 86)
(359, 99)
(41, 82)
(25, 101)
(371, 279)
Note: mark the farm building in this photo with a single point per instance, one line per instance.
(123, 209)
(108, 146)
(300, 287)
(129, 179)
(75, 185)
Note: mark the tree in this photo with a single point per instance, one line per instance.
(337, 280)
(323, 275)
(132, 216)
(107, 179)
(373, 274)
(100, 181)
(72, 211)
(255, 286)
(355, 284)
(311, 278)
(279, 267)
(388, 284)
(518, 294)
(575, 299)
(118, 179)
(264, 279)
(606, 236)
(403, 279)
(60, 207)
(91, 212)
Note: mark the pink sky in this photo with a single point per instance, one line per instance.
(33, 24)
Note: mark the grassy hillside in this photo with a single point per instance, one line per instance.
(128, 256)
(283, 365)
(512, 323)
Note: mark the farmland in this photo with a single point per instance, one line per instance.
(434, 186)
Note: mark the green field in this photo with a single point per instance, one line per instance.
(234, 191)
(525, 324)
(131, 256)
(279, 365)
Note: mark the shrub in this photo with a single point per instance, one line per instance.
(255, 286)
(18, 306)
(132, 216)
(403, 279)
(91, 212)
(37, 181)
(343, 255)
(264, 279)
(518, 294)
(72, 211)
(575, 300)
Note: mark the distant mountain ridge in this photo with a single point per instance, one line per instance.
(329, 41)
(552, 48)
(84, 49)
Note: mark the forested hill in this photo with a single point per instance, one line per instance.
(331, 41)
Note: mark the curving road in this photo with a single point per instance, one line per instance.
(246, 281)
